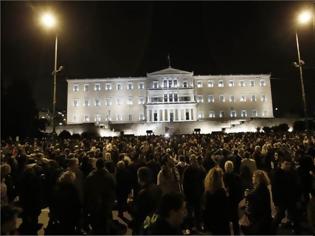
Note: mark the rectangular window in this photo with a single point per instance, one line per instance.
(108, 101)
(141, 85)
(97, 87)
(210, 98)
(222, 98)
(165, 83)
(118, 117)
(97, 102)
(155, 84)
(175, 97)
(175, 83)
(165, 97)
(75, 88)
(187, 114)
(108, 86)
(170, 97)
(221, 84)
(252, 83)
(185, 84)
(199, 84)
(170, 84)
(86, 118)
(130, 86)
(254, 113)
(86, 88)
(211, 114)
(231, 83)
(253, 99)
(232, 98)
(200, 115)
(141, 100)
(199, 99)
(118, 101)
(263, 98)
(210, 84)
(76, 103)
(221, 114)
(243, 98)
(262, 83)
(129, 102)
(141, 116)
(155, 116)
(242, 83)
(118, 87)
(86, 103)
(130, 117)
(233, 114)
(98, 118)
(264, 113)
(243, 113)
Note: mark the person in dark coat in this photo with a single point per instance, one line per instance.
(171, 214)
(286, 193)
(66, 205)
(100, 189)
(259, 206)
(147, 199)
(193, 187)
(216, 213)
(232, 183)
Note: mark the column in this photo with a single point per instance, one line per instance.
(192, 114)
(163, 114)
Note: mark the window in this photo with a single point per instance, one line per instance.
(210, 98)
(170, 84)
(86, 87)
(243, 113)
(74, 118)
(75, 102)
(129, 102)
(155, 116)
(86, 103)
(187, 114)
(221, 84)
(118, 101)
(175, 97)
(199, 98)
(141, 116)
(118, 87)
(252, 83)
(165, 83)
(130, 86)
(155, 84)
(264, 113)
(200, 115)
(232, 98)
(170, 97)
(243, 99)
(86, 118)
(210, 84)
(222, 98)
(199, 84)
(263, 98)
(231, 83)
(262, 83)
(97, 87)
(211, 114)
(165, 97)
(253, 99)
(98, 118)
(75, 88)
(233, 114)
(97, 102)
(141, 100)
(175, 83)
(242, 83)
(185, 84)
(254, 113)
(141, 85)
(118, 117)
(108, 86)
(221, 114)
(108, 101)
(130, 117)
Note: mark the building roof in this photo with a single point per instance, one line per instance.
(169, 71)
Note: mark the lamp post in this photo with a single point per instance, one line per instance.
(49, 21)
(303, 18)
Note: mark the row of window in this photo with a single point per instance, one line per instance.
(99, 118)
(108, 86)
(106, 102)
(232, 83)
(232, 98)
(232, 114)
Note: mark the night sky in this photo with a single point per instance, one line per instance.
(111, 39)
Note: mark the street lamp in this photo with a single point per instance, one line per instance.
(303, 18)
(49, 21)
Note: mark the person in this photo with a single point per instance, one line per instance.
(171, 214)
(168, 178)
(248, 162)
(259, 205)
(193, 188)
(66, 205)
(9, 217)
(79, 177)
(216, 214)
(233, 185)
(286, 193)
(147, 199)
(100, 188)
(311, 212)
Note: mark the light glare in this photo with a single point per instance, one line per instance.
(305, 17)
(48, 20)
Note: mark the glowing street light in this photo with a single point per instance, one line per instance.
(49, 21)
(303, 18)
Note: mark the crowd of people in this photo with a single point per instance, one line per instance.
(244, 183)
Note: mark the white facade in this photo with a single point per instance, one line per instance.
(168, 95)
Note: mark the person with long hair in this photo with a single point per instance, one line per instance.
(216, 213)
(259, 205)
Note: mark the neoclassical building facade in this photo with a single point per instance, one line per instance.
(169, 95)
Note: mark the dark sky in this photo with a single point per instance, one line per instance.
(106, 39)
